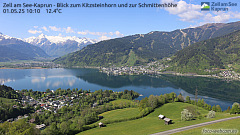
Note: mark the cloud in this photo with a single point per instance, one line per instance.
(186, 12)
(110, 33)
(192, 13)
(54, 28)
(35, 27)
(45, 28)
(117, 33)
(219, 17)
(69, 30)
(83, 32)
(104, 38)
(34, 31)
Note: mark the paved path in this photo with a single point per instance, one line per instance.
(193, 126)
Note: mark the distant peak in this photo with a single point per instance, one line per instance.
(42, 36)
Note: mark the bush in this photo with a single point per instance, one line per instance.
(186, 115)
(235, 108)
(211, 114)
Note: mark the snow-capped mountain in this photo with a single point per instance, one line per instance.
(15, 49)
(2, 37)
(59, 45)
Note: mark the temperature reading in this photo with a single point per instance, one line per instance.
(54, 10)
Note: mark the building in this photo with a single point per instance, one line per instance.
(167, 121)
(161, 116)
(41, 127)
(100, 124)
(31, 120)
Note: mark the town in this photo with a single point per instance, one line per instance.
(26, 65)
(158, 68)
(49, 101)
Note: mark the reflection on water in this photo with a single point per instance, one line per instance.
(213, 91)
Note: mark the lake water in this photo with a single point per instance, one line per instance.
(213, 91)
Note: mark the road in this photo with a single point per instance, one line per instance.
(193, 126)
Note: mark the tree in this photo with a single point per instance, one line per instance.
(186, 115)
(214, 108)
(64, 127)
(228, 109)
(218, 108)
(161, 100)
(152, 101)
(235, 108)
(188, 100)
(143, 103)
(211, 114)
(179, 98)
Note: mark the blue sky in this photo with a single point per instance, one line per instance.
(106, 23)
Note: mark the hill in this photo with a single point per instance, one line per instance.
(151, 123)
(16, 49)
(221, 52)
(8, 92)
(143, 48)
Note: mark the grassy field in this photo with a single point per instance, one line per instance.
(119, 114)
(6, 101)
(230, 124)
(151, 123)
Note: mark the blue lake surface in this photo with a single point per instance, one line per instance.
(213, 91)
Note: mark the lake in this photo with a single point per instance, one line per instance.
(213, 91)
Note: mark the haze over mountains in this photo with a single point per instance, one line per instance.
(56, 46)
(143, 48)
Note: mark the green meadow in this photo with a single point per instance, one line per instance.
(230, 124)
(151, 123)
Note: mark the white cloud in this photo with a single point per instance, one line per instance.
(223, 16)
(118, 34)
(35, 27)
(103, 38)
(69, 30)
(110, 33)
(60, 35)
(54, 28)
(186, 12)
(83, 32)
(34, 31)
(45, 28)
(192, 13)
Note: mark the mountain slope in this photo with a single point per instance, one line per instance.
(139, 49)
(58, 45)
(213, 53)
(15, 49)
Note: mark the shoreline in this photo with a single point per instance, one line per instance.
(23, 68)
(160, 73)
(196, 75)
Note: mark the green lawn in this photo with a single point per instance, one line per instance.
(119, 114)
(230, 124)
(151, 123)
(6, 101)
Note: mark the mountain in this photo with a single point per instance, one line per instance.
(221, 52)
(16, 49)
(56, 46)
(143, 48)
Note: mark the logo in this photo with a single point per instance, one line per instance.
(205, 6)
